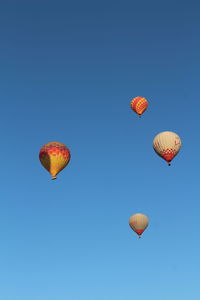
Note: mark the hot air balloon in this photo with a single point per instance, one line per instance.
(139, 105)
(138, 223)
(54, 157)
(167, 145)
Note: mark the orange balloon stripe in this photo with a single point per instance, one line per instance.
(139, 231)
(54, 151)
(168, 154)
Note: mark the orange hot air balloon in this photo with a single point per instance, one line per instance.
(167, 145)
(138, 223)
(54, 157)
(139, 105)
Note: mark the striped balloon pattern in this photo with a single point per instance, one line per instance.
(139, 105)
(138, 223)
(54, 157)
(167, 144)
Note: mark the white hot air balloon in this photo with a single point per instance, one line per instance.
(138, 223)
(167, 145)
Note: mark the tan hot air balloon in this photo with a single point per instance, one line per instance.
(138, 223)
(167, 145)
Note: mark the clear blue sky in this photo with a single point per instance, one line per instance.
(68, 72)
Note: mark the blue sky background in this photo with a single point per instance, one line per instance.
(68, 73)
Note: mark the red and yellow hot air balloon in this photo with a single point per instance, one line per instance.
(54, 157)
(167, 144)
(139, 105)
(139, 223)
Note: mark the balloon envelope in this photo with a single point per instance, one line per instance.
(167, 145)
(139, 105)
(138, 223)
(54, 157)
